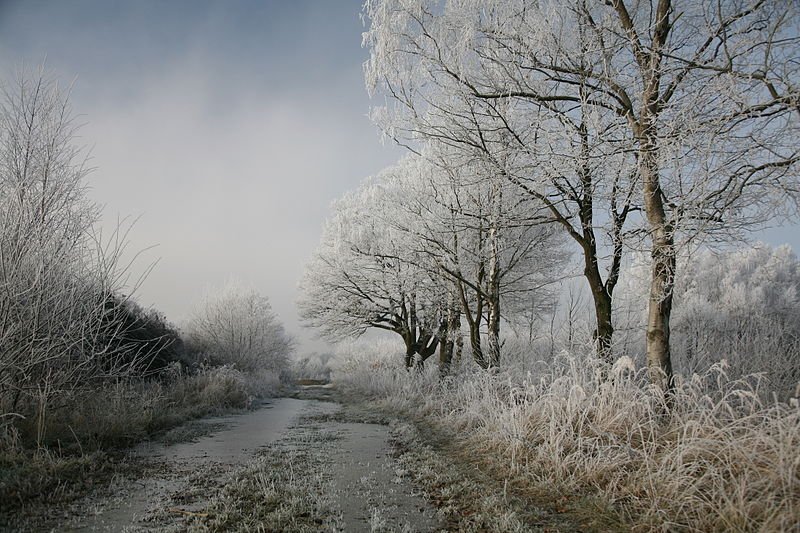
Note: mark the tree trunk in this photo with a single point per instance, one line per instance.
(604, 326)
(659, 362)
(408, 340)
(493, 275)
(662, 282)
(426, 346)
(459, 349)
(475, 345)
(601, 295)
(452, 330)
(493, 336)
(474, 324)
(445, 356)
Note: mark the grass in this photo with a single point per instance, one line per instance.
(285, 488)
(282, 490)
(466, 498)
(82, 437)
(722, 460)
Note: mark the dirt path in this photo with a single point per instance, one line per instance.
(291, 465)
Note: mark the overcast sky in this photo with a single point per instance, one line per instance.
(227, 127)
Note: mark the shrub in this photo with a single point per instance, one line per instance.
(237, 326)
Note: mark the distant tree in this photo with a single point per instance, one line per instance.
(237, 326)
(423, 244)
(475, 233)
(741, 305)
(367, 274)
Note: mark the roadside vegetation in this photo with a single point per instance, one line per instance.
(605, 450)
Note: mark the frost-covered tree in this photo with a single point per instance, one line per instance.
(479, 236)
(456, 76)
(422, 245)
(237, 326)
(59, 283)
(366, 274)
(703, 96)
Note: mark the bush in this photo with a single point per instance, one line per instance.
(311, 367)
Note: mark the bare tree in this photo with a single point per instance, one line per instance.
(459, 76)
(364, 275)
(60, 281)
(237, 326)
(475, 233)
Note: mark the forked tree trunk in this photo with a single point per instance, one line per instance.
(426, 347)
(474, 325)
(604, 327)
(475, 345)
(601, 292)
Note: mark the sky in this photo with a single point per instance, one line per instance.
(225, 129)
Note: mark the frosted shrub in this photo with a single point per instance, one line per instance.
(312, 366)
(236, 326)
(222, 386)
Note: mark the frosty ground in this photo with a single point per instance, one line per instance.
(313, 462)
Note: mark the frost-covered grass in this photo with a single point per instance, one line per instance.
(283, 490)
(77, 435)
(722, 459)
(119, 414)
(466, 499)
